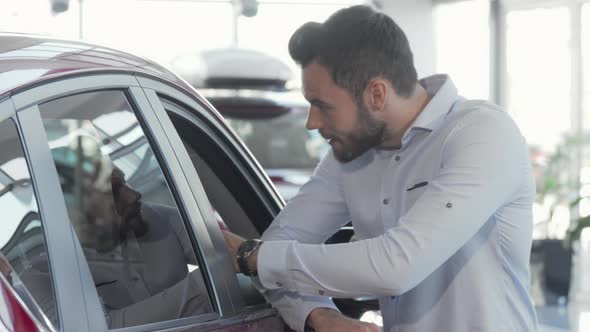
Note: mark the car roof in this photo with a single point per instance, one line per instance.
(26, 60)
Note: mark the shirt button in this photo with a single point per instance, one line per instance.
(321, 292)
(279, 284)
(386, 201)
(449, 205)
(397, 158)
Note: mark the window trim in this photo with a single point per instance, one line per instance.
(74, 84)
(7, 113)
(64, 264)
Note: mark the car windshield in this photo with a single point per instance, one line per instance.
(281, 141)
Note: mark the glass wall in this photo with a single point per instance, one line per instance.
(462, 40)
(542, 86)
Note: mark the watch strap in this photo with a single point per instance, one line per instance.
(244, 252)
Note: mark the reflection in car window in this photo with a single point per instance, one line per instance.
(24, 261)
(141, 258)
(281, 141)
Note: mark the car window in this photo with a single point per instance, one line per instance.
(24, 263)
(280, 141)
(119, 203)
(235, 203)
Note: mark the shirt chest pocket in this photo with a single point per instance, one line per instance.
(413, 190)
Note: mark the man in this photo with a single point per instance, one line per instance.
(439, 191)
(135, 241)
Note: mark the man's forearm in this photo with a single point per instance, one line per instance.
(317, 316)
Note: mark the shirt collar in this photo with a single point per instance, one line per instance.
(443, 95)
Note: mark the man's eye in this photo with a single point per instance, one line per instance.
(323, 108)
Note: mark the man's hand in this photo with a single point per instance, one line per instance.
(232, 242)
(330, 320)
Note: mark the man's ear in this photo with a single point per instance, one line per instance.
(376, 94)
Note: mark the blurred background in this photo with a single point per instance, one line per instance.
(530, 56)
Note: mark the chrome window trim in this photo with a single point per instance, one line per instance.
(67, 85)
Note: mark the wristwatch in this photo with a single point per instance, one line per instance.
(244, 251)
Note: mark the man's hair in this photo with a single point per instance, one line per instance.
(356, 45)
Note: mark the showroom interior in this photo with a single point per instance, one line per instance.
(531, 57)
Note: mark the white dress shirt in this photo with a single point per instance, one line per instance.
(444, 226)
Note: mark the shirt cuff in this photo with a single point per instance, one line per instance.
(272, 265)
(273, 274)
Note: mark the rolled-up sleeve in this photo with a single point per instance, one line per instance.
(485, 159)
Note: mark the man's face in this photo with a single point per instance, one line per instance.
(109, 216)
(127, 203)
(349, 128)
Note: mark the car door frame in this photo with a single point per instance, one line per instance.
(213, 124)
(211, 121)
(8, 113)
(73, 283)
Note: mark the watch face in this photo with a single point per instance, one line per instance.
(244, 252)
(250, 245)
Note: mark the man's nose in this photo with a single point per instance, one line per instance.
(314, 120)
(129, 195)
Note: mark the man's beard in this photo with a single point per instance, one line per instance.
(368, 134)
(103, 228)
(132, 221)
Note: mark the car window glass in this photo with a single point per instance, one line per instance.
(24, 262)
(230, 195)
(119, 203)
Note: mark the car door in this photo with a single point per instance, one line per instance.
(108, 174)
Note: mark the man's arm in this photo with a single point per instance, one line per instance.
(485, 162)
(312, 216)
(321, 314)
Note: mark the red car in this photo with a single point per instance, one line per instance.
(114, 176)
